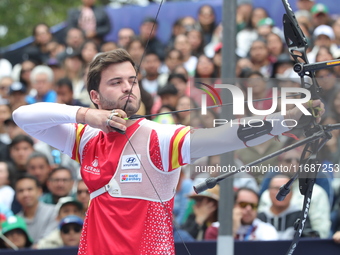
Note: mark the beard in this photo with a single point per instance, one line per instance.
(130, 107)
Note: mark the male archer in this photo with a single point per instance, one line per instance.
(132, 177)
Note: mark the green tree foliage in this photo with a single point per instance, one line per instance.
(19, 17)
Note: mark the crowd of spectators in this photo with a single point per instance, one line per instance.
(42, 197)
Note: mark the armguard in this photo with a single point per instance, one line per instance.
(246, 132)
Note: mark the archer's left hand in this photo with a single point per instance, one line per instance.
(316, 106)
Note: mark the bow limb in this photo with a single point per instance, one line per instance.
(297, 45)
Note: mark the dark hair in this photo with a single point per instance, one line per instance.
(37, 25)
(30, 177)
(168, 89)
(65, 82)
(37, 154)
(151, 52)
(54, 170)
(19, 139)
(101, 62)
(173, 49)
(11, 173)
(237, 192)
(254, 73)
(179, 76)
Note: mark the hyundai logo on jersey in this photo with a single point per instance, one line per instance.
(131, 162)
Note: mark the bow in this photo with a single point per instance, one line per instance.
(316, 134)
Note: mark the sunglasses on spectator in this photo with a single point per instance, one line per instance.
(66, 229)
(245, 204)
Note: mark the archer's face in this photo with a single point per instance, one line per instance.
(114, 89)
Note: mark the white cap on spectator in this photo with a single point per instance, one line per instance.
(324, 30)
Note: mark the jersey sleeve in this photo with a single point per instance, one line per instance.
(228, 137)
(170, 139)
(49, 122)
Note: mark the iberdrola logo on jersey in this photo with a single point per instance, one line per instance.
(95, 163)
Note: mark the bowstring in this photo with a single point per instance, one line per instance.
(128, 139)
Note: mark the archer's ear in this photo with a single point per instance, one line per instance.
(94, 95)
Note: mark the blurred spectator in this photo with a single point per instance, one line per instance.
(6, 184)
(152, 79)
(206, 71)
(88, 51)
(5, 213)
(70, 230)
(5, 113)
(283, 214)
(75, 38)
(108, 46)
(168, 95)
(125, 36)
(54, 48)
(64, 91)
(39, 217)
(58, 71)
(328, 82)
(59, 183)
(5, 83)
(323, 36)
(184, 103)
(177, 29)
(244, 67)
(217, 59)
(42, 81)
(83, 195)
(264, 27)
(188, 22)
(15, 229)
(180, 82)
(136, 49)
(282, 67)
(66, 206)
(304, 18)
(246, 226)
(259, 56)
(25, 73)
(173, 58)
(184, 188)
(19, 150)
(320, 15)
(17, 96)
(166, 118)
(12, 129)
(38, 50)
(196, 40)
(74, 68)
(5, 67)
(207, 22)
(148, 34)
(183, 45)
(257, 86)
(92, 19)
(204, 213)
(336, 29)
(243, 13)
(39, 167)
(319, 211)
(305, 4)
(247, 36)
